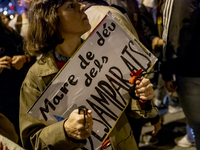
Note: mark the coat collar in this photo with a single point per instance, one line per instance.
(47, 65)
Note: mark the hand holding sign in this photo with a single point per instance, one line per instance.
(74, 126)
(144, 89)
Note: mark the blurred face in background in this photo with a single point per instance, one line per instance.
(5, 19)
(24, 4)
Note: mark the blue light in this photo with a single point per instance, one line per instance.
(9, 4)
(9, 11)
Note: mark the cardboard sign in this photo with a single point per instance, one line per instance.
(96, 77)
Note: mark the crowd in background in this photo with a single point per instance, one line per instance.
(167, 28)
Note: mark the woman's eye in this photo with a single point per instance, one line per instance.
(71, 5)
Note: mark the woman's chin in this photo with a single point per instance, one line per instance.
(87, 29)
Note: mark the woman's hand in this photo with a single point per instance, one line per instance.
(170, 86)
(157, 127)
(156, 42)
(3, 147)
(5, 63)
(18, 61)
(144, 89)
(74, 126)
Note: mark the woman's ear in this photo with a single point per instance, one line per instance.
(19, 3)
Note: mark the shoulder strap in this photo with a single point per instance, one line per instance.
(121, 9)
(18, 24)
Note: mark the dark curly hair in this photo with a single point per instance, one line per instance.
(43, 33)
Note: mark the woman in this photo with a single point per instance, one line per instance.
(54, 31)
(5, 19)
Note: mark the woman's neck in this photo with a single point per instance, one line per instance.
(68, 47)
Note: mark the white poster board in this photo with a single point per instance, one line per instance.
(97, 77)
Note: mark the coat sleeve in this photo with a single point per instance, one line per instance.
(9, 143)
(135, 110)
(7, 129)
(35, 134)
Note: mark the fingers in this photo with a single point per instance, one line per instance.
(144, 89)
(155, 43)
(86, 131)
(147, 97)
(80, 117)
(143, 83)
(88, 119)
(89, 112)
(6, 58)
(17, 58)
(77, 126)
(82, 126)
(18, 62)
(5, 63)
(14, 60)
(170, 86)
(3, 147)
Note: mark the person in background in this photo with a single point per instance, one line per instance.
(129, 6)
(57, 35)
(20, 22)
(5, 19)
(149, 20)
(103, 9)
(130, 9)
(180, 67)
(12, 72)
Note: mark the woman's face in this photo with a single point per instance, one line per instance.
(72, 19)
(24, 4)
(5, 20)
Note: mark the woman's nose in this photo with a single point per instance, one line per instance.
(82, 8)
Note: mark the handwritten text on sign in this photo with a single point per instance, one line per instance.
(97, 77)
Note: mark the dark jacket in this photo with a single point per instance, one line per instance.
(10, 79)
(148, 26)
(183, 41)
